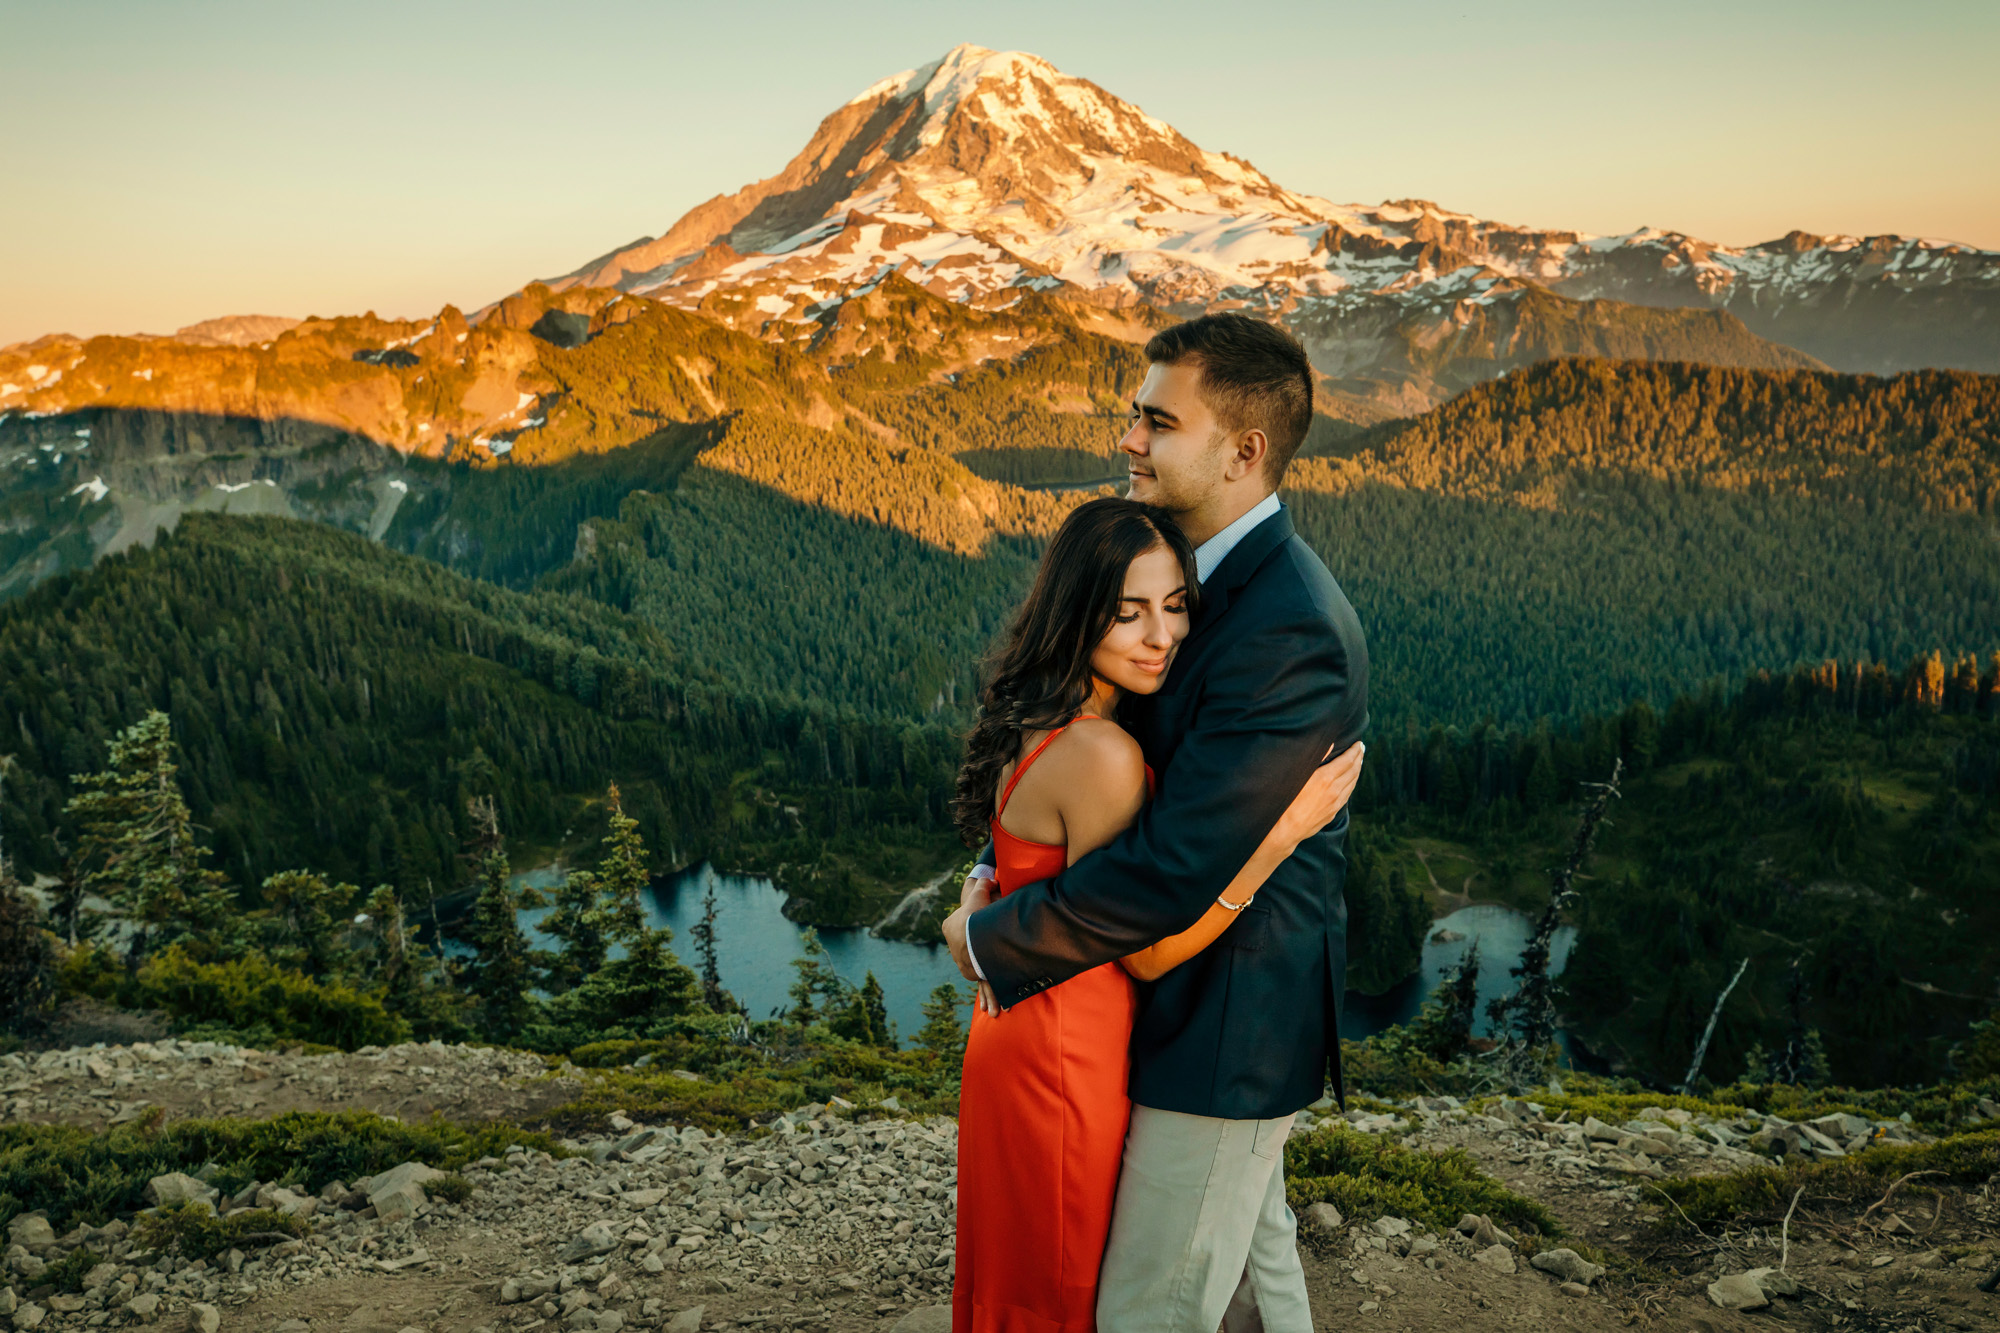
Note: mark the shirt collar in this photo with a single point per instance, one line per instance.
(1216, 549)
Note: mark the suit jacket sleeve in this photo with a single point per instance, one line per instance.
(1268, 711)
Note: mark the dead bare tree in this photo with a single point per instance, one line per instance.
(1525, 1019)
(1708, 1033)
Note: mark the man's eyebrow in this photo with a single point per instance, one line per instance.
(1157, 413)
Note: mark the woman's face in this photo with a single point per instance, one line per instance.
(1152, 619)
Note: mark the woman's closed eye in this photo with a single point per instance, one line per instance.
(1131, 616)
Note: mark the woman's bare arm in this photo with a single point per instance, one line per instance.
(1325, 792)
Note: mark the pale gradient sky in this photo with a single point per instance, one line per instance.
(165, 161)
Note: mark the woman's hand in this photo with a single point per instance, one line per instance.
(1326, 792)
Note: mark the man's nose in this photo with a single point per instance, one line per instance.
(1134, 441)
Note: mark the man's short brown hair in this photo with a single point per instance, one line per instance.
(1254, 376)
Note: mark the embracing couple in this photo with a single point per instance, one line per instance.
(1164, 751)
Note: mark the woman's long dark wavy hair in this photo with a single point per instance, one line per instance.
(1039, 676)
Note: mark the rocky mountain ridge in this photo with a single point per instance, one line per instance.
(987, 174)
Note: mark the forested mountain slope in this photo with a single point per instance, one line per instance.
(1836, 826)
(336, 704)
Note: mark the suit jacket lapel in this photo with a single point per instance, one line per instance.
(1237, 568)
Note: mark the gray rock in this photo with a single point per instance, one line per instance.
(1738, 1291)
(204, 1318)
(1481, 1231)
(292, 1326)
(687, 1321)
(144, 1307)
(398, 1193)
(595, 1239)
(525, 1289)
(294, 1205)
(399, 1202)
(1496, 1257)
(1390, 1226)
(1773, 1283)
(1841, 1126)
(930, 1319)
(31, 1230)
(29, 1316)
(1597, 1130)
(1568, 1265)
(8, 1302)
(1574, 1289)
(1324, 1217)
(176, 1187)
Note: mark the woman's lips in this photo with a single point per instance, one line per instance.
(1152, 668)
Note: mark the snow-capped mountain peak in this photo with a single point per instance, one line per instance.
(985, 174)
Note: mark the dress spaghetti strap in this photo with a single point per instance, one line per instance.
(1035, 754)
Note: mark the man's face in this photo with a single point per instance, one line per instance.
(1175, 451)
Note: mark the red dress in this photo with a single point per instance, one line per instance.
(1042, 1112)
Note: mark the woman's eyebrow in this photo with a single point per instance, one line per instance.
(1143, 601)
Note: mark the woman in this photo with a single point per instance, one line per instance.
(1049, 775)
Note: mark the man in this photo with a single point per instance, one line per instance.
(1271, 680)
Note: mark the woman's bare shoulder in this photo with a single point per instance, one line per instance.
(1098, 750)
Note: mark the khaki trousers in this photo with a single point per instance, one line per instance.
(1201, 1235)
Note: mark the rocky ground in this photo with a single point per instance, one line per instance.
(837, 1221)
(110, 1085)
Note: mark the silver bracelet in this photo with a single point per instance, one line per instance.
(1234, 907)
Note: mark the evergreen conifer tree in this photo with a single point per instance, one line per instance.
(1442, 1029)
(138, 848)
(864, 1016)
(503, 971)
(593, 910)
(27, 960)
(66, 897)
(712, 993)
(408, 976)
(942, 1034)
(309, 913)
(574, 919)
(630, 994)
(817, 991)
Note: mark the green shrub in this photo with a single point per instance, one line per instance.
(89, 970)
(291, 1005)
(77, 1175)
(1367, 1176)
(66, 1273)
(450, 1187)
(1761, 1194)
(611, 1054)
(192, 1230)
(1978, 1056)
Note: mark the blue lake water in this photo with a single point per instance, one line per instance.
(755, 946)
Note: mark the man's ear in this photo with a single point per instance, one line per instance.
(1247, 454)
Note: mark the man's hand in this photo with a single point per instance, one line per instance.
(974, 895)
(978, 892)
